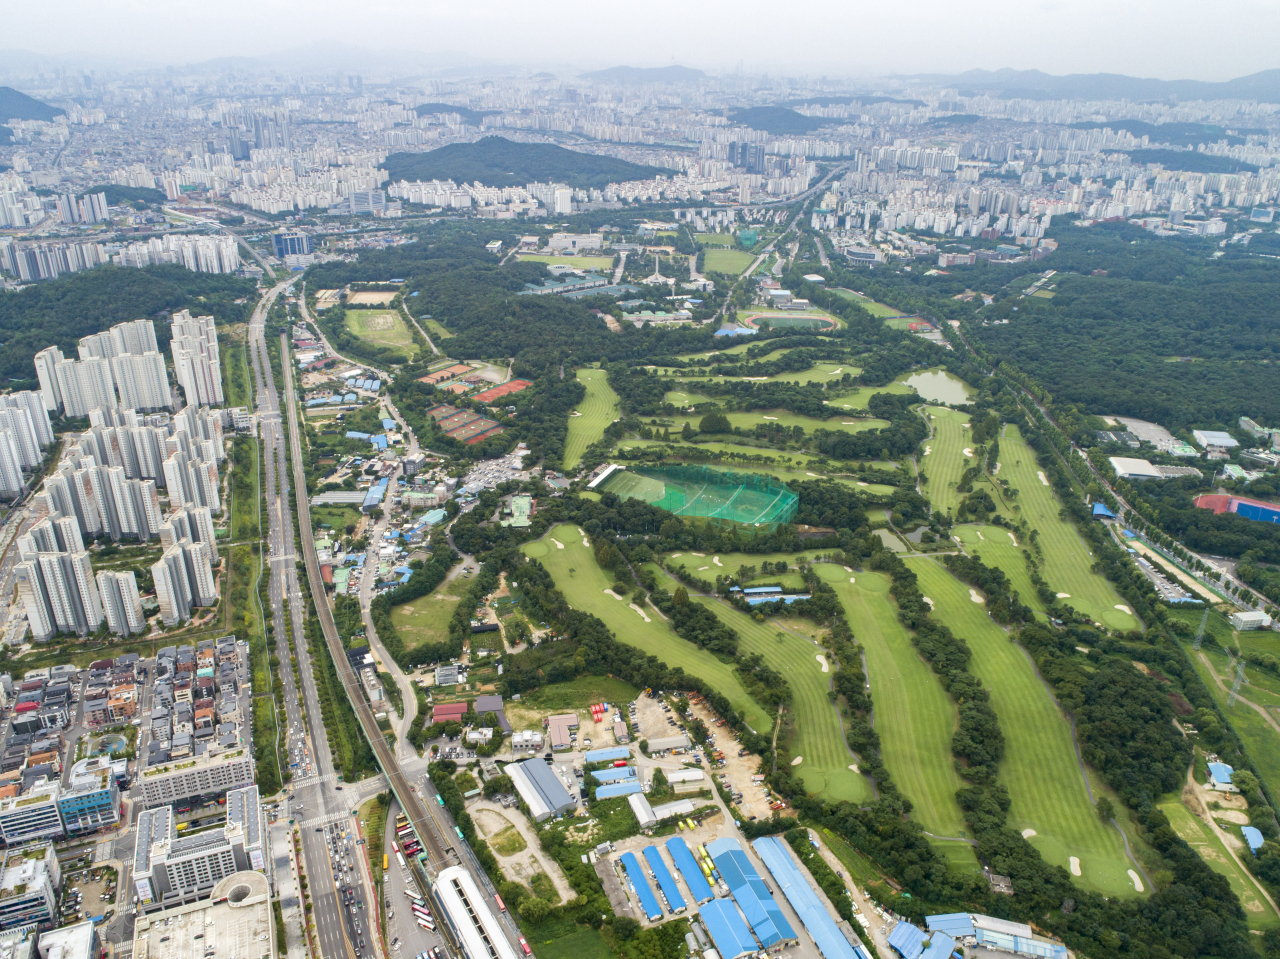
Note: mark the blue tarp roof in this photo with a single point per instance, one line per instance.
(1100, 509)
(750, 892)
(609, 755)
(666, 882)
(1253, 837)
(728, 931)
(809, 908)
(957, 925)
(350, 398)
(621, 774)
(688, 866)
(618, 789)
(1220, 773)
(375, 385)
(761, 590)
(776, 598)
(648, 901)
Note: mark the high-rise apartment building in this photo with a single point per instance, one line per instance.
(194, 346)
(121, 602)
(141, 381)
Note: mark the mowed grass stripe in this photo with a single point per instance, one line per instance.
(599, 408)
(585, 587)
(818, 735)
(913, 713)
(945, 462)
(995, 547)
(1067, 562)
(1040, 769)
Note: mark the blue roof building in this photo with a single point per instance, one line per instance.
(750, 892)
(1220, 775)
(388, 423)
(728, 931)
(699, 888)
(357, 435)
(666, 882)
(613, 754)
(619, 789)
(957, 925)
(635, 875)
(908, 941)
(1100, 511)
(781, 864)
(622, 774)
(1253, 837)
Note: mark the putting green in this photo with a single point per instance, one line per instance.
(1045, 782)
(572, 564)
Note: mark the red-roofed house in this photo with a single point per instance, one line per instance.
(448, 711)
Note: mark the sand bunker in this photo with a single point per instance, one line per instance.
(701, 568)
(586, 542)
(810, 474)
(1124, 609)
(853, 766)
(1075, 866)
(1028, 833)
(851, 579)
(980, 536)
(581, 531)
(928, 450)
(768, 417)
(699, 554)
(834, 372)
(797, 761)
(968, 452)
(1040, 473)
(848, 569)
(609, 592)
(823, 660)
(642, 613)
(1012, 537)
(927, 601)
(559, 545)
(1064, 596)
(716, 560)
(1137, 881)
(676, 555)
(975, 596)
(575, 413)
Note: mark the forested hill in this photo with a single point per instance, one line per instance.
(16, 105)
(59, 312)
(470, 116)
(777, 120)
(496, 161)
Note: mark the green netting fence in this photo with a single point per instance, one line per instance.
(715, 496)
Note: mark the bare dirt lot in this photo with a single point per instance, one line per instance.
(371, 297)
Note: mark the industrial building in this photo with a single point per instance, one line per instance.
(911, 942)
(467, 911)
(992, 933)
(778, 859)
(540, 789)
(750, 893)
(688, 867)
(640, 885)
(234, 922)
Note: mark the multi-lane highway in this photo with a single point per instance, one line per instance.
(431, 825)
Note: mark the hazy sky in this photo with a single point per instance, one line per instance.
(1169, 39)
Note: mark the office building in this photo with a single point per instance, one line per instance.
(194, 347)
(29, 886)
(71, 942)
(206, 775)
(235, 920)
(92, 799)
(290, 243)
(32, 816)
(121, 603)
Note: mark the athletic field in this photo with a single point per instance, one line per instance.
(914, 715)
(381, 328)
(573, 565)
(597, 410)
(1045, 781)
(730, 261)
(871, 306)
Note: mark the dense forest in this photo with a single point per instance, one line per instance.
(496, 161)
(59, 312)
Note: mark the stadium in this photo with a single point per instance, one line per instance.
(702, 493)
(790, 321)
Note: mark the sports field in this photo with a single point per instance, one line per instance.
(944, 461)
(807, 320)
(713, 239)
(732, 262)
(598, 409)
(1040, 769)
(999, 547)
(593, 264)
(1067, 561)
(1258, 912)
(913, 713)
(871, 306)
(381, 328)
(584, 584)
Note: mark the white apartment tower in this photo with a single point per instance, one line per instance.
(194, 346)
(121, 603)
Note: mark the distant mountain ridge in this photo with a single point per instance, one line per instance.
(1037, 85)
(672, 74)
(16, 105)
(496, 161)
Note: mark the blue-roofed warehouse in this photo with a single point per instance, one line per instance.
(1220, 776)
(688, 866)
(619, 789)
(622, 774)
(374, 496)
(1253, 837)
(750, 892)
(813, 913)
(613, 754)
(908, 941)
(957, 925)
(728, 931)
(666, 881)
(648, 901)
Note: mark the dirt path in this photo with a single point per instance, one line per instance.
(860, 897)
(529, 860)
(1199, 806)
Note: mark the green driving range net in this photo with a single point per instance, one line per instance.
(701, 492)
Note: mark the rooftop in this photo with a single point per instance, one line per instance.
(234, 923)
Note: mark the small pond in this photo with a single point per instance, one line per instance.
(939, 386)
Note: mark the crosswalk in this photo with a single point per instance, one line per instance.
(326, 820)
(312, 780)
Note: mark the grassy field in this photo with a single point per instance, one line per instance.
(732, 262)
(599, 408)
(595, 264)
(426, 619)
(816, 736)
(1040, 770)
(381, 328)
(944, 462)
(807, 423)
(580, 693)
(583, 583)
(1201, 838)
(1067, 561)
(913, 713)
(685, 399)
(997, 547)
(870, 305)
(337, 517)
(784, 467)
(246, 494)
(713, 239)
(434, 329)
